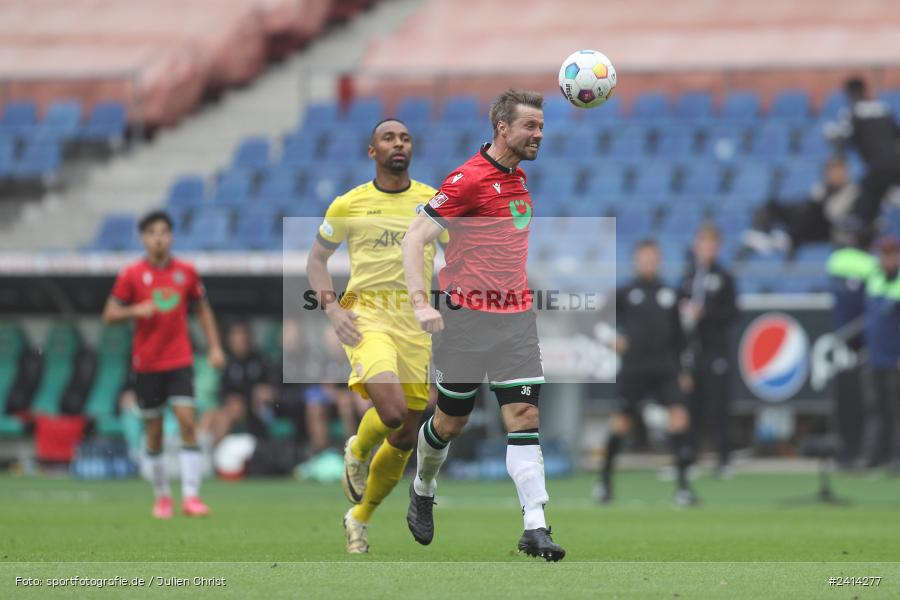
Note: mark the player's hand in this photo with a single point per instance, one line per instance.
(685, 382)
(144, 310)
(216, 358)
(620, 344)
(429, 318)
(343, 322)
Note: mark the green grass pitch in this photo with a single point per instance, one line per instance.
(283, 539)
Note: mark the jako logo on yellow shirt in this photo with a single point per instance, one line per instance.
(166, 299)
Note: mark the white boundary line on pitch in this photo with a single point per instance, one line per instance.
(468, 562)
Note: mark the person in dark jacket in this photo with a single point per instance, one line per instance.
(709, 310)
(882, 337)
(651, 343)
(849, 267)
(868, 127)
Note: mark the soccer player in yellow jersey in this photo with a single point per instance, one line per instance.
(389, 353)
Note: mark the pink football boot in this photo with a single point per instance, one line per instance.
(194, 507)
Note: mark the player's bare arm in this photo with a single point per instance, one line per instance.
(321, 282)
(207, 318)
(117, 312)
(421, 232)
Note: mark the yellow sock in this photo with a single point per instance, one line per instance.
(384, 474)
(370, 433)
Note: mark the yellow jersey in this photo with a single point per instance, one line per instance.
(373, 222)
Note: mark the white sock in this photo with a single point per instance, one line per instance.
(191, 470)
(525, 464)
(431, 452)
(155, 471)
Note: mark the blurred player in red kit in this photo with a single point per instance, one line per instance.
(156, 291)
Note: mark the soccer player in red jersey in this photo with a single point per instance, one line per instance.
(489, 327)
(155, 291)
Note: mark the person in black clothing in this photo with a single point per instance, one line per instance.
(247, 394)
(709, 309)
(849, 268)
(868, 127)
(651, 342)
(806, 221)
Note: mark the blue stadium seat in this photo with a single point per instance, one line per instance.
(632, 223)
(611, 111)
(558, 112)
(770, 141)
(628, 148)
(18, 117)
(814, 145)
(606, 182)
(793, 285)
(732, 223)
(682, 222)
(324, 185)
(415, 111)
(319, 114)
(650, 105)
(256, 230)
(582, 206)
(582, 143)
(702, 180)
(299, 151)
(817, 254)
(278, 188)
(740, 105)
(797, 180)
(186, 192)
(654, 180)
(344, 149)
(751, 179)
(833, 104)
(790, 104)
(764, 266)
(209, 229)
(724, 140)
(252, 154)
(437, 147)
(365, 112)
(233, 189)
(118, 232)
(676, 143)
(556, 187)
(693, 105)
(39, 160)
(61, 122)
(106, 123)
(462, 109)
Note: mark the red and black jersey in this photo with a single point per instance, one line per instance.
(162, 342)
(488, 210)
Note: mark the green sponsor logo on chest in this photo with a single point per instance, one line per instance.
(166, 299)
(521, 213)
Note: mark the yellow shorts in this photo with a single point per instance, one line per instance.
(379, 351)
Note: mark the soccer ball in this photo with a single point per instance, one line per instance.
(587, 78)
